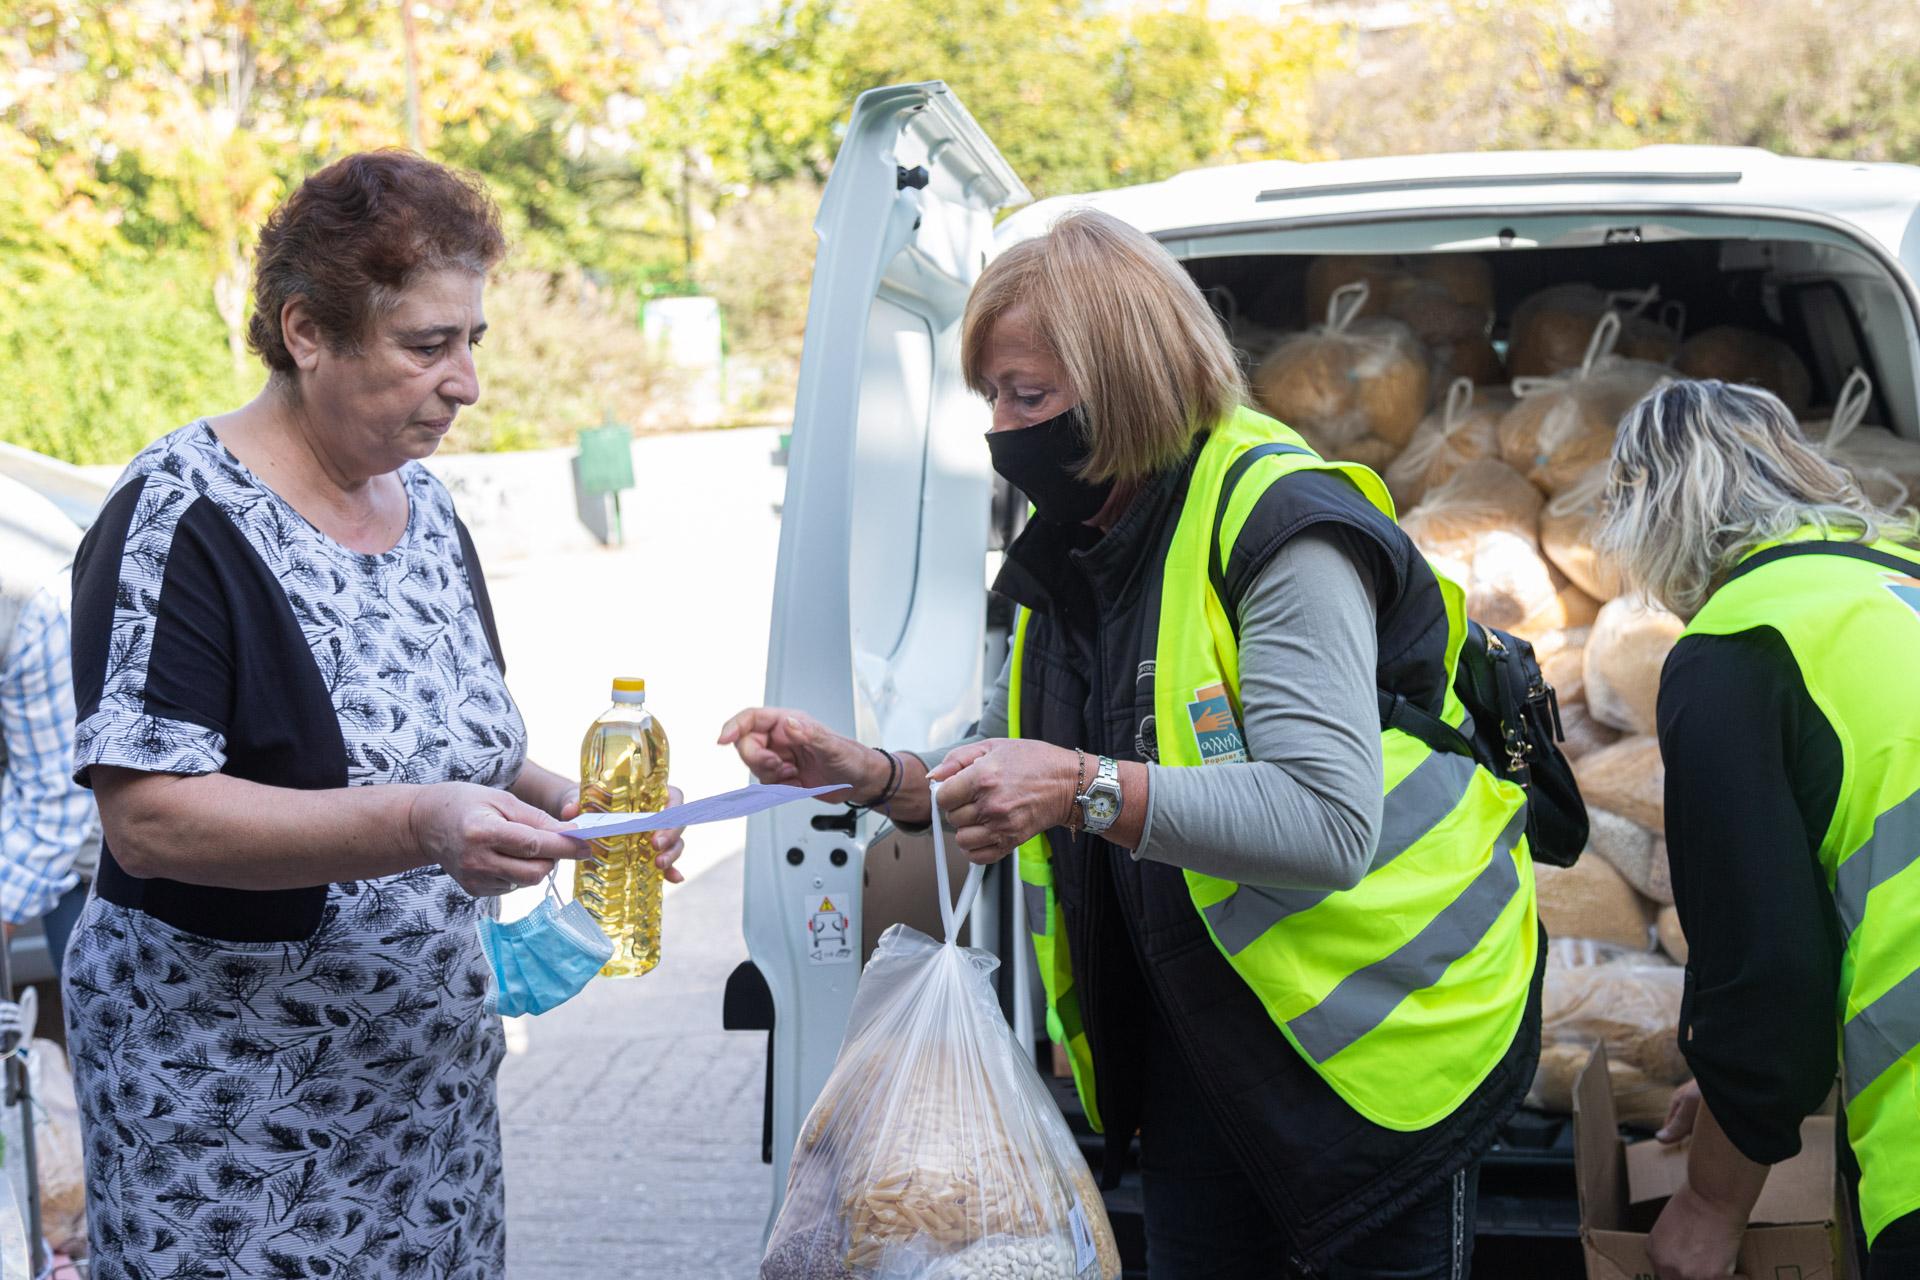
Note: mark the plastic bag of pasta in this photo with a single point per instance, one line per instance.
(935, 1152)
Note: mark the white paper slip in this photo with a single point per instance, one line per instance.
(728, 804)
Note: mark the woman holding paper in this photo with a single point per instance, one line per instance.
(293, 713)
(1297, 953)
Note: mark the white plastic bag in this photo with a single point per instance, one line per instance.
(934, 1151)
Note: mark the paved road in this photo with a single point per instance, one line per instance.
(631, 1121)
(632, 1124)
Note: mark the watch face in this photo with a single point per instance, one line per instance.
(1103, 807)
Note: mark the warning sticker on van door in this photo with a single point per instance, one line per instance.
(829, 930)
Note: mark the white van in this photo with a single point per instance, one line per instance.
(882, 624)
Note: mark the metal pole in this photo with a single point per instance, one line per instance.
(19, 1094)
(413, 74)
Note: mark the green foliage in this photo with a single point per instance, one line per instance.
(94, 366)
(1077, 97)
(561, 353)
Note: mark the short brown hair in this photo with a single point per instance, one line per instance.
(1146, 354)
(356, 234)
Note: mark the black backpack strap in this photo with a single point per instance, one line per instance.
(1397, 713)
(1216, 556)
(1851, 550)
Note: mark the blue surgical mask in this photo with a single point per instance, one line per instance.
(543, 959)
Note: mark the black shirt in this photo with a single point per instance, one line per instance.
(1753, 777)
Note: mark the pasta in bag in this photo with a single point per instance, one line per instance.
(935, 1152)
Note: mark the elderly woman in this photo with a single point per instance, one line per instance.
(1789, 719)
(293, 714)
(1294, 952)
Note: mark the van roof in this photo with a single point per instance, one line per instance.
(1879, 199)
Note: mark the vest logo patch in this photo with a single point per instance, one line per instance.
(1906, 590)
(1214, 726)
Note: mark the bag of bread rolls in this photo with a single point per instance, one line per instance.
(1550, 330)
(1627, 779)
(1567, 528)
(1629, 1003)
(1737, 355)
(1510, 586)
(1467, 277)
(1590, 899)
(1628, 848)
(1629, 645)
(1465, 428)
(1583, 735)
(1347, 379)
(1563, 426)
(1886, 466)
(1330, 273)
(1673, 940)
(934, 1148)
(1457, 335)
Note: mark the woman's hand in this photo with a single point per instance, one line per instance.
(667, 844)
(1695, 1239)
(489, 841)
(1000, 793)
(1682, 1111)
(779, 745)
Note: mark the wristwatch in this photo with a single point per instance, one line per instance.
(1100, 803)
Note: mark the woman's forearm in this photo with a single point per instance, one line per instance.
(542, 788)
(222, 831)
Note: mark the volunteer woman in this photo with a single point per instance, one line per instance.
(1790, 723)
(1302, 972)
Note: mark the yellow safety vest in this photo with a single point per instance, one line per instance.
(1403, 992)
(1853, 627)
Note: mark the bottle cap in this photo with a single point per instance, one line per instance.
(629, 689)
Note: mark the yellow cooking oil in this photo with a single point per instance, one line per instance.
(623, 769)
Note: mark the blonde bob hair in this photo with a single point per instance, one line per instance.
(1142, 349)
(1704, 472)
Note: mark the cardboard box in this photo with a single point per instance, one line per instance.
(1794, 1232)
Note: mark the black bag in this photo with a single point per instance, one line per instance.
(1513, 728)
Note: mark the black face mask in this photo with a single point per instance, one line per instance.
(1043, 462)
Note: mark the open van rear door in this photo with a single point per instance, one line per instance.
(878, 613)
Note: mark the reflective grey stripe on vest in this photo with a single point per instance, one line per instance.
(1894, 846)
(1365, 997)
(1036, 897)
(1881, 1034)
(1420, 803)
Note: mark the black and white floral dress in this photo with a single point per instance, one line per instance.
(284, 1083)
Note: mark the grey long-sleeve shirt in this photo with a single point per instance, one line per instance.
(1304, 810)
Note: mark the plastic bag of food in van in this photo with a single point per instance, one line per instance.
(1348, 379)
(1624, 655)
(1564, 426)
(1479, 529)
(1465, 428)
(1737, 355)
(1567, 529)
(1885, 466)
(935, 1152)
(1550, 330)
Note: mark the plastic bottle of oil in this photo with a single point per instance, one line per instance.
(623, 769)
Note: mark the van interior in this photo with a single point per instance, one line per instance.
(1839, 308)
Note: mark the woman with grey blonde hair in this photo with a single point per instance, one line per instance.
(1295, 953)
(1789, 721)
